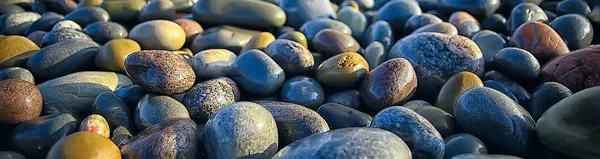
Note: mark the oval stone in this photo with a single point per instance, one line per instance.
(114, 110)
(441, 120)
(150, 70)
(340, 116)
(349, 98)
(580, 7)
(102, 32)
(16, 73)
(64, 24)
(295, 36)
(111, 55)
(575, 70)
(466, 24)
(60, 35)
(490, 43)
(253, 14)
(45, 23)
(191, 29)
(259, 41)
(311, 28)
(300, 12)
(454, 87)
(397, 13)
(444, 28)
(213, 63)
(342, 71)
(20, 101)
(123, 11)
(176, 138)
(463, 143)
(255, 72)
(517, 63)
(84, 145)
(158, 35)
(223, 37)
(37, 37)
(293, 58)
(243, 123)
(303, 91)
(355, 19)
(97, 124)
(523, 13)
(495, 22)
(348, 143)
(158, 10)
(575, 30)
(540, 40)
(153, 109)
(379, 31)
(17, 23)
(15, 50)
(62, 58)
(420, 136)
(545, 96)
(392, 82)
(330, 42)
(88, 15)
(25, 138)
(208, 97)
(417, 21)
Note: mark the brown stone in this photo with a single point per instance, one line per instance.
(577, 70)
(540, 40)
(19, 101)
(392, 82)
(160, 71)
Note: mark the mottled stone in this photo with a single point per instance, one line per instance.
(466, 24)
(349, 98)
(208, 97)
(303, 91)
(523, 13)
(87, 15)
(60, 35)
(66, 24)
(121, 136)
(444, 28)
(342, 71)
(300, 12)
(575, 70)
(148, 68)
(293, 58)
(397, 14)
(14, 50)
(223, 37)
(17, 23)
(84, 145)
(253, 14)
(16, 73)
(173, 138)
(420, 136)
(20, 101)
(490, 43)
(463, 143)
(540, 40)
(25, 138)
(575, 30)
(392, 82)
(97, 124)
(340, 116)
(348, 143)
(417, 21)
(114, 110)
(103, 32)
(331, 42)
(255, 72)
(545, 96)
(158, 35)
(111, 56)
(62, 58)
(517, 63)
(158, 10)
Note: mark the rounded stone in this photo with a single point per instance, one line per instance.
(25, 138)
(176, 138)
(294, 122)
(523, 13)
(62, 58)
(420, 136)
(300, 12)
(148, 68)
(295, 36)
(517, 63)
(123, 11)
(375, 54)
(330, 42)
(158, 35)
(131, 95)
(569, 126)
(311, 28)
(355, 19)
(243, 123)
(392, 82)
(440, 119)
(417, 21)
(252, 14)
(208, 97)
(520, 93)
(500, 87)
(97, 124)
(10, 8)
(213, 63)
(66, 24)
(496, 22)
(303, 91)
(255, 72)
(103, 32)
(349, 98)
(540, 40)
(45, 23)
(17, 23)
(339, 116)
(444, 28)
(11, 155)
(20, 101)
(191, 29)
(342, 71)
(259, 41)
(223, 37)
(415, 104)
(463, 143)
(84, 145)
(397, 14)
(158, 10)
(466, 24)
(348, 143)
(580, 7)
(575, 30)
(37, 37)
(545, 96)
(114, 110)
(56, 36)
(16, 73)
(502, 124)
(153, 109)
(112, 55)
(379, 31)
(88, 15)
(490, 43)
(89, 3)
(575, 70)
(437, 57)
(293, 58)
(15, 50)
(476, 8)
(454, 87)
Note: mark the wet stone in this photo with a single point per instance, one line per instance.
(575, 70)
(300, 12)
(66, 24)
(517, 63)
(293, 58)
(575, 30)
(255, 72)
(87, 15)
(397, 13)
(339, 116)
(545, 96)
(191, 29)
(303, 91)
(177, 77)
(37, 37)
(123, 11)
(176, 138)
(580, 7)
(349, 98)
(114, 110)
(330, 42)
(392, 82)
(131, 95)
(375, 54)
(454, 87)
(379, 31)
(111, 56)
(463, 143)
(476, 8)
(16, 50)
(415, 104)
(120, 136)
(466, 24)
(102, 32)
(259, 41)
(342, 71)
(355, 19)
(520, 93)
(56, 36)
(16, 73)
(45, 23)
(495, 22)
(213, 63)
(25, 137)
(208, 97)
(158, 35)
(523, 13)
(295, 36)
(96, 124)
(313, 27)
(444, 27)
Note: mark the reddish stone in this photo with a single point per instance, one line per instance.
(97, 124)
(466, 24)
(540, 40)
(190, 27)
(19, 101)
(160, 71)
(577, 70)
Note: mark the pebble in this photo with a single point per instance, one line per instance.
(420, 136)
(191, 29)
(463, 143)
(521, 93)
(466, 24)
(348, 143)
(175, 138)
(441, 120)
(495, 22)
(540, 40)
(444, 28)
(208, 97)
(502, 124)
(417, 21)
(252, 14)
(257, 73)
(102, 32)
(15, 50)
(259, 41)
(517, 63)
(355, 19)
(568, 127)
(380, 31)
(176, 77)
(10, 8)
(88, 15)
(62, 58)
(415, 104)
(397, 13)
(293, 58)
(339, 116)
(158, 10)
(303, 91)
(89, 3)
(64, 24)
(500, 87)
(375, 54)
(575, 70)
(490, 43)
(25, 138)
(97, 124)
(243, 123)
(111, 56)
(342, 71)
(349, 98)
(84, 145)
(475, 8)
(523, 13)
(295, 36)
(17, 23)
(330, 42)
(223, 37)
(37, 37)
(551, 16)
(545, 96)
(121, 136)
(11, 155)
(131, 95)
(313, 27)
(45, 23)
(294, 122)
(300, 12)
(153, 109)
(454, 87)
(109, 106)
(56, 36)
(437, 57)
(20, 100)
(575, 30)
(158, 35)
(573, 7)
(213, 63)
(123, 11)
(16, 73)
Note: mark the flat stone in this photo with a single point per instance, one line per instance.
(63, 58)
(252, 14)
(206, 98)
(223, 37)
(442, 121)
(102, 32)
(45, 23)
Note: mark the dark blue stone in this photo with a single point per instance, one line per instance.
(349, 98)
(397, 13)
(575, 30)
(463, 143)
(35, 137)
(580, 7)
(63, 58)
(87, 15)
(525, 12)
(102, 32)
(304, 91)
(380, 31)
(545, 96)
(440, 119)
(299, 12)
(490, 43)
(131, 95)
(495, 22)
(500, 87)
(521, 93)
(340, 116)
(417, 21)
(115, 111)
(255, 72)
(517, 63)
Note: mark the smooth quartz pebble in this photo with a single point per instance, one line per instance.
(243, 123)
(330, 42)
(176, 138)
(349, 98)
(223, 37)
(148, 69)
(102, 32)
(495, 22)
(158, 35)
(375, 54)
(490, 43)
(502, 88)
(154, 108)
(521, 93)
(300, 12)
(437, 57)
(191, 29)
(466, 24)
(502, 124)
(206, 98)
(97, 124)
(259, 41)
(25, 138)
(294, 122)
(16, 73)
(342, 71)
(545, 96)
(20, 101)
(56, 36)
(463, 143)
(576, 70)
(158, 10)
(397, 13)
(45, 23)
(440, 119)
(62, 58)
(252, 14)
(213, 63)
(444, 28)
(517, 63)
(17, 23)
(415, 104)
(111, 56)
(569, 126)
(348, 143)
(293, 58)
(84, 145)
(339, 116)
(87, 15)
(295, 36)
(417, 21)
(15, 50)
(476, 8)
(311, 28)
(540, 40)
(123, 10)
(379, 31)
(392, 82)
(525, 12)
(64, 24)
(114, 110)
(303, 91)
(454, 87)
(418, 133)
(575, 30)
(355, 19)
(257, 73)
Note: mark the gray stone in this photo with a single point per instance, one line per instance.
(206, 98)
(62, 58)
(16, 73)
(300, 12)
(35, 137)
(153, 109)
(339, 116)
(17, 23)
